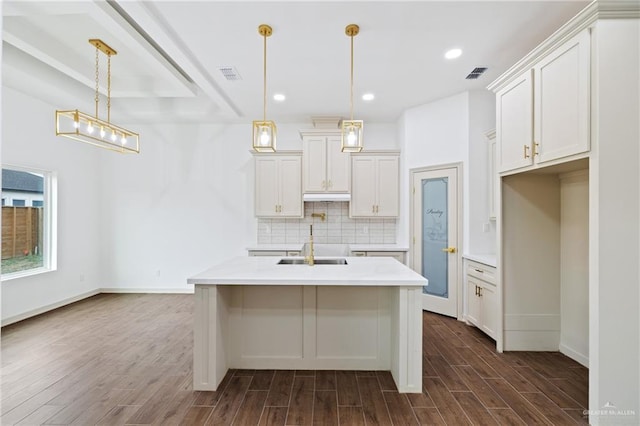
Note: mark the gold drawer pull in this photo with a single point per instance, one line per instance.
(449, 249)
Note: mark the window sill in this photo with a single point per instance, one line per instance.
(23, 274)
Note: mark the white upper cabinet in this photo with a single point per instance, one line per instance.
(325, 166)
(278, 189)
(561, 93)
(514, 109)
(543, 114)
(374, 185)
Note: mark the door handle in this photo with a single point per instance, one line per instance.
(449, 249)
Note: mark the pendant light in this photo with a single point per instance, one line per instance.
(91, 129)
(352, 129)
(264, 132)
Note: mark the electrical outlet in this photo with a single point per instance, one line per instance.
(365, 230)
(158, 273)
(485, 227)
(81, 278)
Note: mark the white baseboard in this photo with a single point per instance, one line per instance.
(61, 303)
(146, 290)
(47, 308)
(574, 355)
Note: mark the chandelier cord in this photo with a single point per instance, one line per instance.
(97, 99)
(109, 89)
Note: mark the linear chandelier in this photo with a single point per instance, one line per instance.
(87, 128)
(352, 129)
(264, 132)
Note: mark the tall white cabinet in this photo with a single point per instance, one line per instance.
(568, 202)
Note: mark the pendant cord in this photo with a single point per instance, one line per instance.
(352, 78)
(264, 105)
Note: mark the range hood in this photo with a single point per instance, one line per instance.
(327, 196)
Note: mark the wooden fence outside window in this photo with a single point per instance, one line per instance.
(21, 231)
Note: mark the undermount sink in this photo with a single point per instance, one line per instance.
(299, 261)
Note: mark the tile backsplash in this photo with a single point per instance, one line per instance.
(336, 228)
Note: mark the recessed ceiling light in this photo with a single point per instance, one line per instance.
(279, 97)
(368, 97)
(453, 53)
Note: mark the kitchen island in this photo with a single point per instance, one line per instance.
(254, 313)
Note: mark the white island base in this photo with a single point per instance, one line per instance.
(324, 322)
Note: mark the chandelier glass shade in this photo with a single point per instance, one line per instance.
(91, 129)
(352, 129)
(264, 131)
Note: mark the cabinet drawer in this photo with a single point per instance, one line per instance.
(481, 272)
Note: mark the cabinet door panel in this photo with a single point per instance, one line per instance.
(514, 131)
(489, 313)
(266, 197)
(363, 196)
(562, 100)
(387, 187)
(473, 302)
(315, 163)
(290, 187)
(338, 165)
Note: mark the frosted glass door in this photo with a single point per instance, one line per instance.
(435, 234)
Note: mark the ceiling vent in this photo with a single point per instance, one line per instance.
(230, 73)
(475, 73)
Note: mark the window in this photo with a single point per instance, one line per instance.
(28, 221)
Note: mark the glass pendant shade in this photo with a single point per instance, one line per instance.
(82, 127)
(352, 135)
(264, 136)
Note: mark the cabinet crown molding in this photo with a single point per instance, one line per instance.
(598, 9)
(319, 132)
(375, 152)
(274, 154)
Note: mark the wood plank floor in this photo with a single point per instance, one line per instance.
(126, 360)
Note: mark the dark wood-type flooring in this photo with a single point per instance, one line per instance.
(126, 359)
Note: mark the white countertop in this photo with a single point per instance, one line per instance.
(261, 270)
(353, 247)
(486, 259)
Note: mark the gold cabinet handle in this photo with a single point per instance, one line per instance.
(526, 151)
(330, 184)
(479, 270)
(476, 290)
(449, 249)
(480, 291)
(373, 208)
(536, 148)
(324, 184)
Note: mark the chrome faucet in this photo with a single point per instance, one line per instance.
(309, 259)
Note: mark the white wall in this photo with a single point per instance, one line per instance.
(187, 201)
(451, 130)
(574, 265)
(28, 139)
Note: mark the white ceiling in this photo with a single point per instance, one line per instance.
(170, 52)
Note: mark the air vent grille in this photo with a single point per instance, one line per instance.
(475, 73)
(230, 73)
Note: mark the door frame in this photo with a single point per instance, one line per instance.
(412, 233)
